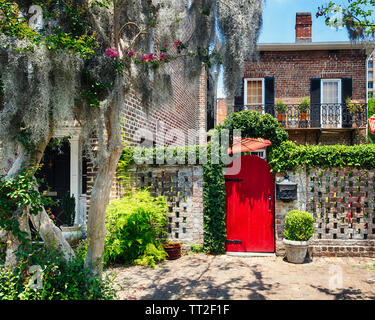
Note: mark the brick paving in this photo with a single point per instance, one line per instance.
(199, 276)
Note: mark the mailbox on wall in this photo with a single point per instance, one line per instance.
(286, 190)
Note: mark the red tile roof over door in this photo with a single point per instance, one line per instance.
(248, 145)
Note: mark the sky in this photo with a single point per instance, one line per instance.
(279, 19)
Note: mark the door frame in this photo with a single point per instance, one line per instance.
(339, 124)
(75, 170)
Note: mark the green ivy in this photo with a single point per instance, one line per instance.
(16, 194)
(371, 112)
(289, 156)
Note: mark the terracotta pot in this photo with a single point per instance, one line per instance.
(173, 250)
(281, 116)
(303, 116)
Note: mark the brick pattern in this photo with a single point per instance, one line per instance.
(342, 201)
(303, 27)
(182, 188)
(293, 70)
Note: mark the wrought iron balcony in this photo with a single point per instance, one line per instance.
(316, 116)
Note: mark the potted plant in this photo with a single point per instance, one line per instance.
(173, 249)
(355, 109)
(298, 229)
(72, 233)
(281, 109)
(303, 107)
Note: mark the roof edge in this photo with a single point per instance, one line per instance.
(314, 46)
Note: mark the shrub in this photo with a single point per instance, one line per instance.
(60, 280)
(136, 225)
(299, 225)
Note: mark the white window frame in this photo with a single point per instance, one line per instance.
(246, 80)
(256, 153)
(339, 98)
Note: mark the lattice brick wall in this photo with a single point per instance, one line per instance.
(343, 203)
(182, 188)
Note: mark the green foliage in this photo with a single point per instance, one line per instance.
(135, 227)
(280, 107)
(304, 105)
(299, 225)
(371, 112)
(125, 161)
(68, 205)
(16, 194)
(73, 37)
(255, 125)
(197, 248)
(214, 213)
(357, 15)
(60, 280)
(289, 156)
(94, 89)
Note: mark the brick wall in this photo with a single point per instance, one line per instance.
(182, 187)
(342, 201)
(222, 111)
(293, 70)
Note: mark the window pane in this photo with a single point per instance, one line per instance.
(330, 92)
(370, 75)
(254, 92)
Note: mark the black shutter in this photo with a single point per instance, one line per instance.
(346, 92)
(239, 100)
(269, 95)
(315, 103)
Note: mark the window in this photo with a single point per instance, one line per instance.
(261, 153)
(330, 110)
(370, 64)
(331, 91)
(254, 89)
(370, 85)
(371, 75)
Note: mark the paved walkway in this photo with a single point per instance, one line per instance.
(198, 276)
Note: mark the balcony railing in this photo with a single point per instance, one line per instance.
(316, 116)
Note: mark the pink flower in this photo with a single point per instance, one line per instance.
(151, 57)
(111, 52)
(162, 56)
(145, 57)
(177, 43)
(131, 53)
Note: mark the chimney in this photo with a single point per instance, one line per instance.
(303, 27)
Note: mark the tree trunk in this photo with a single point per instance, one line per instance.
(12, 242)
(96, 230)
(110, 153)
(50, 233)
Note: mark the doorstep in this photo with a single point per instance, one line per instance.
(251, 254)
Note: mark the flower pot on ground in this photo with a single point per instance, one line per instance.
(298, 229)
(72, 234)
(173, 250)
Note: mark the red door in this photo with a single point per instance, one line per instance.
(250, 207)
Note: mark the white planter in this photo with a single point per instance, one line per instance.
(295, 251)
(72, 234)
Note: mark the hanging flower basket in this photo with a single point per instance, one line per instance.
(173, 250)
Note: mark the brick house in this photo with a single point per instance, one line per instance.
(325, 73)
